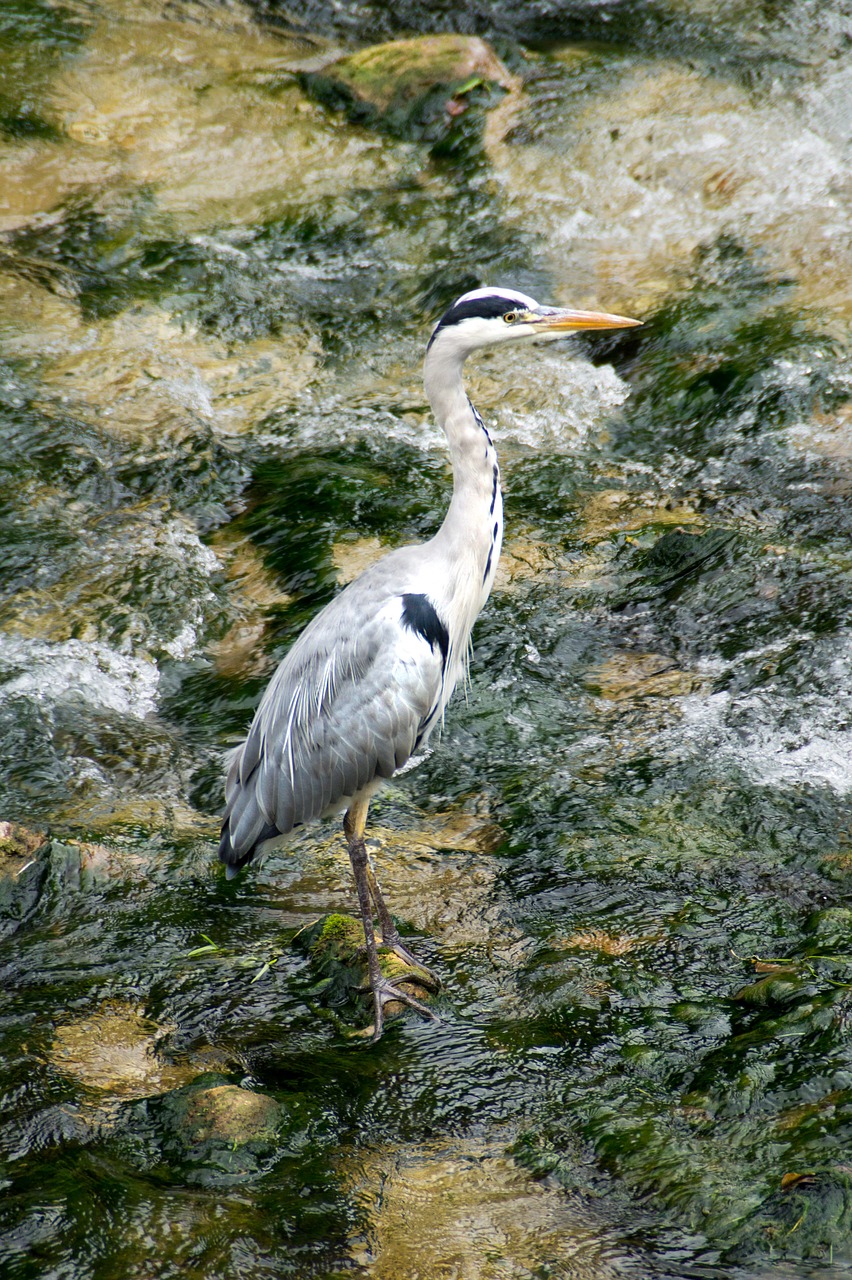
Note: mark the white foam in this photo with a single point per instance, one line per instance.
(74, 670)
(777, 737)
(576, 400)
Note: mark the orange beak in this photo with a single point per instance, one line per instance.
(553, 320)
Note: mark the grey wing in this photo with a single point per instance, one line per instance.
(347, 705)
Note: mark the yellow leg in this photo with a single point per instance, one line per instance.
(355, 819)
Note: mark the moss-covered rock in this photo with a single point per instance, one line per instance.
(335, 948)
(414, 88)
(224, 1113)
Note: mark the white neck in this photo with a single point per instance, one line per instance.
(470, 537)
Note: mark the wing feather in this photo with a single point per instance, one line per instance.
(347, 705)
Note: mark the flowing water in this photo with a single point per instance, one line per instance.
(629, 854)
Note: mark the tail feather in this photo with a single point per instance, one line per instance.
(236, 858)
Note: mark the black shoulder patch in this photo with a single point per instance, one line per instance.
(421, 616)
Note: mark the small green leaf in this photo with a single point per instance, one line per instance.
(264, 969)
(472, 83)
(204, 951)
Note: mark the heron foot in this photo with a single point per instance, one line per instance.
(416, 973)
(388, 990)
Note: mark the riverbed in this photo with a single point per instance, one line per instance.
(628, 853)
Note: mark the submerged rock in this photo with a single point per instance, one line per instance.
(609, 511)
(115, 1051)
(196, 106)
(627, 677)
(351, 556)
(809, 1216)
(254, 593)
(461, 1208)
(219, 1133)
(144, 376)
(438, 874)
(626, 164)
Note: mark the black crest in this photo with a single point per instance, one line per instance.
(489, 306)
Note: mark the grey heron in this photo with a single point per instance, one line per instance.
(368, 679)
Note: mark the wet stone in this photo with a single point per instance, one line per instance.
(522, 560)
(165, 101)
(209, 1131)
(415, 88)
(254, 594)
(629, 163)
(145, 375)
(115, 1051)
(335, 948)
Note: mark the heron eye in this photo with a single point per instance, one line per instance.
(510, 317)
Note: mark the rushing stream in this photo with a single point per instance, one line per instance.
(629, 854)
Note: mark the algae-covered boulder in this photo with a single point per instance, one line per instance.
(413, 88)
(809, 1216)
(212, 1112)
(335, 948)
(223, 1132)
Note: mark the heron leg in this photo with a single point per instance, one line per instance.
(383, 989)
(354, 823)
(390, 933)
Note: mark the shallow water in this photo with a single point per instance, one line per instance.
(628, 854)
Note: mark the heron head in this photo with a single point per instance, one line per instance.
(488, 317)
